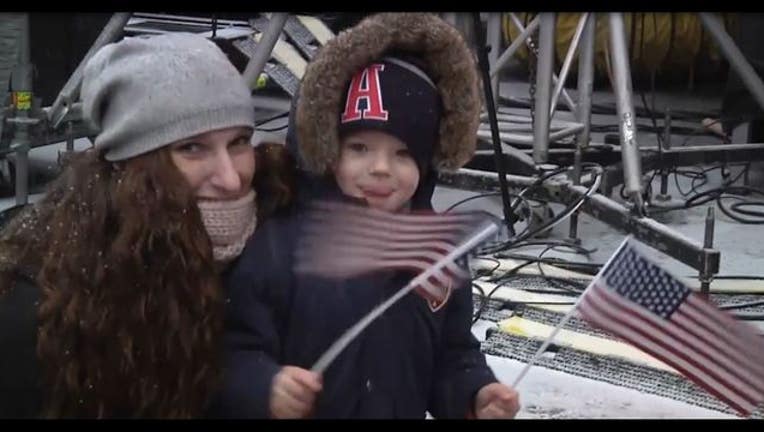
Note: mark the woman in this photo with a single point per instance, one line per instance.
(110, 296)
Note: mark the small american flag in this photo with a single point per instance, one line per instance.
(638, 301)
(342, 240)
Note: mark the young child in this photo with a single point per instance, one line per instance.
(382, 107)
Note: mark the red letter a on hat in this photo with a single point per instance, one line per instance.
(371, 92)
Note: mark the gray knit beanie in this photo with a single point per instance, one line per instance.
(144, 93)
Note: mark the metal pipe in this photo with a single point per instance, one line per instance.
(584, 106)
(21, 86)
(543, 87)
(514, 46)
(627, 120)
(734, 56)
(70, 92)
(666, 146)
(565, 96)
(264, 48)
(708, 243)
(586, 80)
(573, 226)
(493, 25)
(69, 137)
(664, 184)
(567, 62)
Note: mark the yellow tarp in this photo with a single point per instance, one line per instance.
(656, 41)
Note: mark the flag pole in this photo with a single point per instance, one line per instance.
(567, 317)
(548, 341)
(340, 344)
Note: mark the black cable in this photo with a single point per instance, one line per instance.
(564, 214)
(549, 303)
(508, 276)
(483, 302)
(274, 117)
(491, 271)
(528, 224)
(494, 247)
(536, 183)
(696, 199)
(483, 195)
(577, 266)
(511, 272)
(523, 235)
(546, 242)
(523, 199)
(481, 274)
(526, 234)
(272, 129)
(733, 277)
(703, 178)
(735, 217)
(749, 316)
(553, 280)
(714, 193)
(458, 203)
(548, 291)
(658, 135)
(742, 172)
(742, 305)
(685, 173)
(737, 207)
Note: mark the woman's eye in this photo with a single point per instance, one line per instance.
(190, 147)
(240, 143)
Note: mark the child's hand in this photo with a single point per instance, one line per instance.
(496, 401)
(293, 392)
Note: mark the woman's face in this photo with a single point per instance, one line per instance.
(218, 165)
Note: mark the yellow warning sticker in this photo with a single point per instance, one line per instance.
(262, 80)
(22, 100)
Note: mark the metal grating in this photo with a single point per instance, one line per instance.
(603, 368)
(302, 38)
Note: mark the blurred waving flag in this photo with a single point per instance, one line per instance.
(342, 240)
(638, 301)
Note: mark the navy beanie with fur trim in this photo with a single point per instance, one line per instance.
(395, 96)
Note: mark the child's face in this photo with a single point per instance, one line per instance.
(378, 167)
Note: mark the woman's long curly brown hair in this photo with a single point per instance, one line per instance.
(275, 179)
(130, 311)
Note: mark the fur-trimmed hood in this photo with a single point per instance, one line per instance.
(449, 63)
